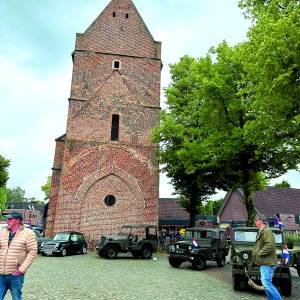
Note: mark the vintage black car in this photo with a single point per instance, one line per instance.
(200, 245)
(64, 243)
(40, 239)
(140, 240)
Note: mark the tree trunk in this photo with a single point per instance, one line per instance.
(249, 205)
(193, 210)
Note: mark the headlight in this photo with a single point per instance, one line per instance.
(57, 245)
(245, 256)
(177, 246)
(190, 247)
(236, 259)
(172, 248)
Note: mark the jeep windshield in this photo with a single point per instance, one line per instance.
(125, 231)
(61, 237)
(250, 236)
(200, 234)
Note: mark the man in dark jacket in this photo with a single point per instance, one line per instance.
(264, 255)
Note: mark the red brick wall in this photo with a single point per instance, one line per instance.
(234, 210)
(92, 165)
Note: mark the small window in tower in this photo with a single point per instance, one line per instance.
(127, 16)
(116, 65)
(115, 128)
(110, 200)
(114, 14)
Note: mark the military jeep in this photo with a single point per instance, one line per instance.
(244, 269)
(140, 240)
(198, 246)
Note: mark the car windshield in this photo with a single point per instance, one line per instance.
(63, 236)
(250, 236)
(203, 234)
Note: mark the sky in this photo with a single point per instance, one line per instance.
(37, 39)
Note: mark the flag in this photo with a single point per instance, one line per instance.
(194, 243)
(286, 256)
(281, 225)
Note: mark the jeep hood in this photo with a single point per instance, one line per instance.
(239, 247)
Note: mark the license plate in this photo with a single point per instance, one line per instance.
(48, 252)
(254, 277)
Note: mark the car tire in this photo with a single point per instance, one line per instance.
(83, 250)
(221, 259)
(43, 254)
(111, 252)
(136, 254)
(199, 263)
(285, 285)
(298, 271)
(174, 262)
(146, 252)
(236, 282)
(63, 252)
(101, 253)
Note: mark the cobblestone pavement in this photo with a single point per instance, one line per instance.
(84, 277)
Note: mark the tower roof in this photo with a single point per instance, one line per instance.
(119, 29)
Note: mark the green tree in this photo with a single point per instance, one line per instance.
(2, 198)
(4, 164)
(16, 194)
(193, 187)
(211, 207)
(245, 102)
(283, 184)
(46, 188)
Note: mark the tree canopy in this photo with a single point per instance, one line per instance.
(283, 184)
(234, 116)
(46, 188)
(4, 164)
(16, 194)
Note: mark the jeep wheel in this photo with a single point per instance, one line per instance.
(174, 262)
(221, 260)
(136, 254)
(63, 252)
(101, 253)
(111, 252)
(236, 282)
(146, 252)
(199, 263)
(285, 285)
(83, 250)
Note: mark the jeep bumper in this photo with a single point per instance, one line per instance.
(254, 272)
(182, 257)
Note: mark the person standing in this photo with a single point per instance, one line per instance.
(264, 255)
(18, 249)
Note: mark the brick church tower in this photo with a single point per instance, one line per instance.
(104, 172)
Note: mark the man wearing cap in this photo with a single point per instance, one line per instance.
(264, 255)
(18, 249)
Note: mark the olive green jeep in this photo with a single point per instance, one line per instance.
(245, 271)
(198, 246)
(140, 240)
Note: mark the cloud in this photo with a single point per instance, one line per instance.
(33, 117)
